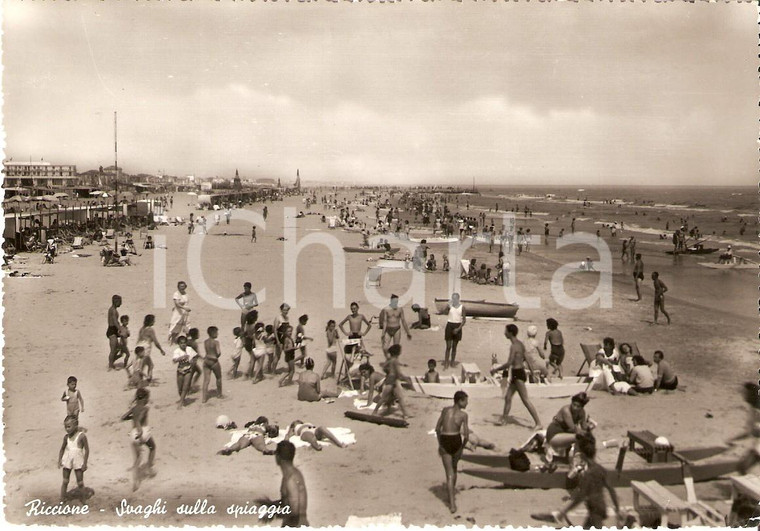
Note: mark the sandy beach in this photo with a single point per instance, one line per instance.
(55, 327)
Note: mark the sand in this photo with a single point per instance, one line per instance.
(55, 327)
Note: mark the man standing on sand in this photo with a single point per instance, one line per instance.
(453, 333)
(638, 275)
(293, 486)
(391, 320)
(112, 333)
(659, 296)
(453, 434)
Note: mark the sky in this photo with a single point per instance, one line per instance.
(403, 93)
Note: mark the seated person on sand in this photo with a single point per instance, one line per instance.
(255, 435)
(431, 376)
(309, 383)
(641, 376)
(478, 442)
(481, 277)
(665, 377)
(445, 266)
(431, 265)
(626, 359)
(607, 364)
(571, 420)
(423, 317)
(373, 380)
(309, 433)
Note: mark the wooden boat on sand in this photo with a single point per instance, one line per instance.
(370, 249)
(489, 387)
(666, 466)
(481, 308)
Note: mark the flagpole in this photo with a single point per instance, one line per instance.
(116, 188)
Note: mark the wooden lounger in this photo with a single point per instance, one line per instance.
(78, 243)
(589, 353)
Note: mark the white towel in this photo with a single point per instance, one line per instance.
(361, 403)
(344, 435)
(348, 394)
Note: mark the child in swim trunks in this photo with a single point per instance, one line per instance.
(123, 335)
(269, 343)
(289, 348)
(554, 338)
(73, 398)
(135, 376)
(301, 337)
(140, 434)
(333, 336)
(238, 352)
(431, 376)
(74, 453)
(211, 363)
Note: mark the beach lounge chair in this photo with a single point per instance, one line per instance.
(657, 505)
(78, 243)
(373, 277)
(110, 234)
(589, 353)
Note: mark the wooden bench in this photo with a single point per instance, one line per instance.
(648, 450)
(745, 493)
(664, 504)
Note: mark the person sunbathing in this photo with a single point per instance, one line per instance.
(255, 435)
(309, 433)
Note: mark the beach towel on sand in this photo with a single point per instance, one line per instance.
(344, 435)
(361, 403)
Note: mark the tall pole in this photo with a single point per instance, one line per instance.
(116, 188)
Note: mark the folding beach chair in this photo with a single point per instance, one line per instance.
(373, 277)
(351, 354)
(589, 353)
(78, 243)
(110, 234)
(465, 268)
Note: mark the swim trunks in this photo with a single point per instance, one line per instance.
(451, 444)
(290, 355)
(519, 375)
(392, 330)
(450, 334)
(210, 363)
(670, 386)
(112, 331)
(557, 354)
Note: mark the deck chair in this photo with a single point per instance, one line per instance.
(110, 234)
(465, 269)
(373, 277)
(589, 353)
(78, 243)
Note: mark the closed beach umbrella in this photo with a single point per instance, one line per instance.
(50, 198)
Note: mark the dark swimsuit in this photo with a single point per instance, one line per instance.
(557, 354)
(451, 444)
(519, 375)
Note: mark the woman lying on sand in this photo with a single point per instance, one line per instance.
(311, 434)
(255, 435)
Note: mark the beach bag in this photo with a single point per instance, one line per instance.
(518, 460)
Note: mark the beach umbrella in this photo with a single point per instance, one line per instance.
(61, 194)
(49, 198)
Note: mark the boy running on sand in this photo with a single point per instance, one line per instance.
(140, 434)
(211, 363)
(453, 434)
(73, 398)
(557, 342)
(74, 453)
(392, 385)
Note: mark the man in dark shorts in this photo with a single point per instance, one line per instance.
(638, 275)
(659, 296)
(453, 433)
(112, 333)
